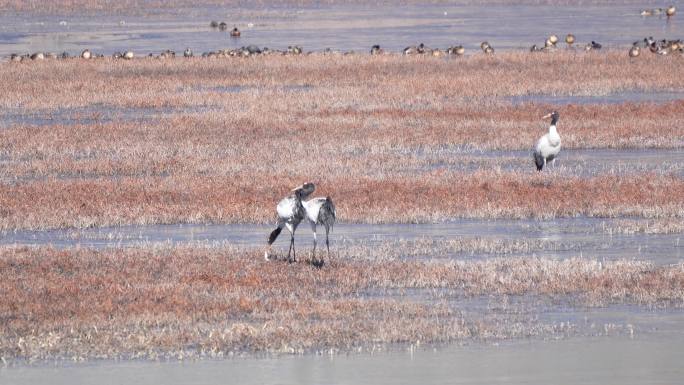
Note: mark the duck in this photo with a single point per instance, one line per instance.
(548, 146)
(128, 55)
(670, 11)
(223, 26)
(456, 50)
(117, 55)
(553, 39)
(38, 56)
(294, 50)
(235, 32)
(570, 39)
(486, 47)
(15, 57)
(187, 53)
(593, 46)
(634, 51)
(214, 24)
(376, 50)
(86, 54)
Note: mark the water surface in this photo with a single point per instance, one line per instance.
(341, 27)
(567, 237)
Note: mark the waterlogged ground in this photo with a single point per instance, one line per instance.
(623, 360)
(344, 28)
(595, 238)
(603, 305)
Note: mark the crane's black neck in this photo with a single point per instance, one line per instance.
(554, 119)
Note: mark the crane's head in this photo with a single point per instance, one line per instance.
(304, 190)
(554, 117)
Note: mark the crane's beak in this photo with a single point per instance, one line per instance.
(547, 115)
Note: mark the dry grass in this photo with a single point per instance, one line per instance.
(152, 303)
(222, 140)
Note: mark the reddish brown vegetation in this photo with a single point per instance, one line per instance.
(162, 142)
(197, 301)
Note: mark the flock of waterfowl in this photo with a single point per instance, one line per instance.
(669, 11)
(660, 47)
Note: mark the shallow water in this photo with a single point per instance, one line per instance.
(343, 28)
(653, 358)
(91, 114)
(571, 237)
(631, 96)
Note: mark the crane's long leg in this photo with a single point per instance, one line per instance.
(313, 228)
(327, 241)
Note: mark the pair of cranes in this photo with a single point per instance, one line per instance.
(293, 209)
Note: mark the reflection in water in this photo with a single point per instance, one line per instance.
(340, 27)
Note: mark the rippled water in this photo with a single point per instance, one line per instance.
(344, 28)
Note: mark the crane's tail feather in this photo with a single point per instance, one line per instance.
(327, 214)
(274, 235)
(538, 160)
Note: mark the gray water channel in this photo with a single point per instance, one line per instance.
(343, 27)
(571, 237)
(628, 96)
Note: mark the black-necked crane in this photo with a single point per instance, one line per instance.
(549, 145)
(290, 213)
(320, 211)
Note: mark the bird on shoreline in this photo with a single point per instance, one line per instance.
(548, 146)
(320, 211)
(290, 212)
(670, 11)
(570, 40)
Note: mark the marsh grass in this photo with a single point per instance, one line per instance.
(212, 302)
(390, 138)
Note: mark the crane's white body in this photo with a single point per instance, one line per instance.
(320, 211)
(290, 212)
(548, 146)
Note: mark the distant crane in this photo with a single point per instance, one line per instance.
(290, 213)
(549, 145)
(320, 211)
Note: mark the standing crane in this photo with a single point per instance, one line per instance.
(290, 213)
(548, 146)
(320, 211)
